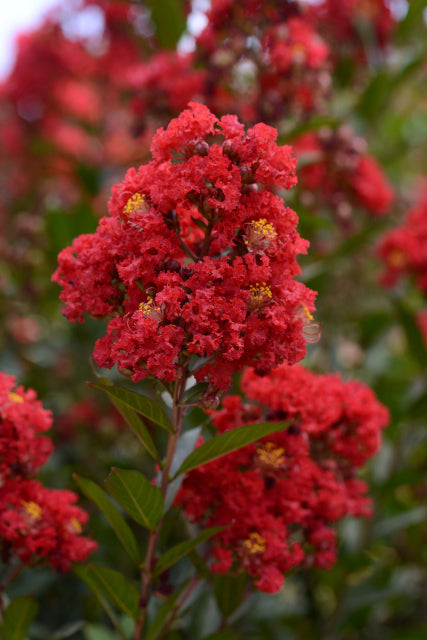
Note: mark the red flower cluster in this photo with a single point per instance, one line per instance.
(345, 22)
(277, 498)
(294, 75)
(36, 523)
(197, 257)
(22, 449)
(344, 175)
(404, 248)
(264, 63)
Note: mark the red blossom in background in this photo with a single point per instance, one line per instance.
(341, 175)
(350, 25)
(87, 415)
(294, 76)
(22, 449)
(197, 257)
(41, 524)
(37, 524)
(404, 249)
(265, 65)
(277, 498)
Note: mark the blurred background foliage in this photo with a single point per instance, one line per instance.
(55, 185)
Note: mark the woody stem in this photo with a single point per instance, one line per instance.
(153, 537)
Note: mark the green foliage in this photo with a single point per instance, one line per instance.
(222, 635)
(145, 406)
(169, 20)
(17, 618)
(163, 614)
(227, 442)
(99, 632)
(116, 520)
(171, 556)
(415, 342)
(229, 592)
(110, 584)
(138, 497)
(138, 427)
(412, 19)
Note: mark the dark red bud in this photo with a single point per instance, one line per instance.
(209, 401)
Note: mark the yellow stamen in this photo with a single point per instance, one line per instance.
(270, 456)
(263, 228)
(254, 544)
(298, 49)
(33, 509)
(260, 234)
(307, 313)
(75, 525)
(396, 259)
(259, 295)
(149, 309)
(15, 397)
(135, 204)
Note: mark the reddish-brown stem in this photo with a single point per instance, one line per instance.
(178, 411)
(181, 601)
(177, 417)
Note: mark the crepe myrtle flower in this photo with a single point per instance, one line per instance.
(23, 420)
(197, 257)
(279, 497)
(403, 249)
(37, 524)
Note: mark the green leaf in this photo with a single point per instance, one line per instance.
(413, 18)
(182, 549)
(200, 565)
(163, 614)
(99, 632)
(199, 223)
(222, 635)
(17, 618)
(113, 585)
(401, 521)
(229, 441)
(138, 427)
(195, 391)
(114, 517)
(376, 95)
(82, 572)
(311, 125)
(145, 406)
(413, 334)
(67, 630)
(138, 497)
(229, 592)
(169, 21)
